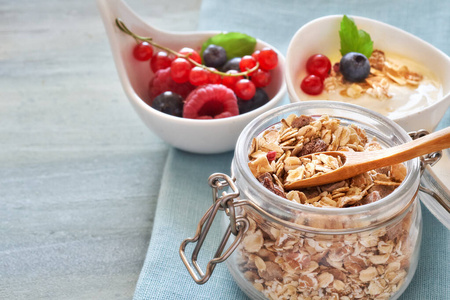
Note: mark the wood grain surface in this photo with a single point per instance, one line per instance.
(79, 172)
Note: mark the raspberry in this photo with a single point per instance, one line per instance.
(211, 101)
(163, 82)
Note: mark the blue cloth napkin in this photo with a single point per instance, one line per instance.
(185, 194)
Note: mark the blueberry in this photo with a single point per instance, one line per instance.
(214, 56)
(355, 67)
(258, 100)
(232, 64)
(169, 103)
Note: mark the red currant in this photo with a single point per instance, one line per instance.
(261, 78)
(247, 63)
(198, 76)
(192, 54)
(230, 81)
(312, 85)
(160, 60)
(214, 78)
(180, 69)
(245, 89)
(255, 55)
(318, 65)
(268, 59)
(143, 51)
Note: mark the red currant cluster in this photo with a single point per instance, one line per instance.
(318, 67)
(186, 66)
(207, 86)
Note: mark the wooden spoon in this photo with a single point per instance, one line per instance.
(355, 163)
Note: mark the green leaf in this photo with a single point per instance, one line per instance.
(236, 44)
(354, 40)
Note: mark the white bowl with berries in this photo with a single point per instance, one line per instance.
(372, 64)
(195, 90)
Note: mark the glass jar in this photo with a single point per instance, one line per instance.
(287, 250)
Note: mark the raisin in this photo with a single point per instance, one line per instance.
(383, 190)
(267, 181)
(317, 145)
(384, 170)
(263, 176)
(332, 186)
(301, 121)
(311, 192)
(370, 198)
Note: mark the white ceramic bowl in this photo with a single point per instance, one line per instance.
(321, 36)
(199, 136)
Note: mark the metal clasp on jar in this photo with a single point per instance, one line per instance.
(238, 226)
(430, 159)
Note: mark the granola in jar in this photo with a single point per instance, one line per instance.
(276, 160)
(285, 263)
(355, 239)
(288, 264)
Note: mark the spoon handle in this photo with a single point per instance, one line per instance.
(427, 144)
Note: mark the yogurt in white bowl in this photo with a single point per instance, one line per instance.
(420, 105)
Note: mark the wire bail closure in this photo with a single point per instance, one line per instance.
(238, 226)
(430, 159)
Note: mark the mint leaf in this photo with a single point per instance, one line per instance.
(354, 40)
(236, 44)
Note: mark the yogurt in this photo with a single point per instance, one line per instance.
(392, 99)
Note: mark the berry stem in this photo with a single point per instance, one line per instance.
(138, 38)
